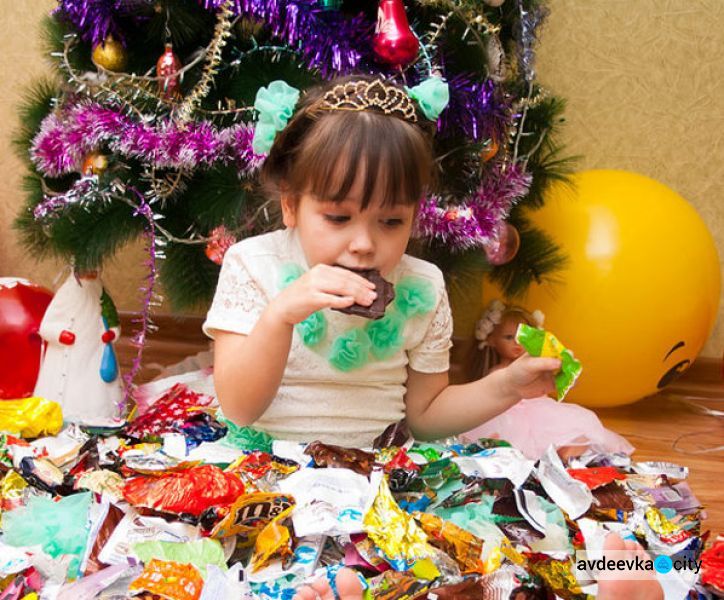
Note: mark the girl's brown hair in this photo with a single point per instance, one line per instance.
(324, 152)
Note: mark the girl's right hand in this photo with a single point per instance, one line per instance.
(323, 286)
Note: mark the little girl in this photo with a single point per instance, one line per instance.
(533, 424)
(349, 170)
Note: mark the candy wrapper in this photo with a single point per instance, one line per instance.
(462, 545)
(396, 586)
(31, 417)
(42, 474)
(329, 501)
(712, 566)
(538, 342)
(558, 575)
(190, 491)
(394, 531)
(595, 477)
(249, 514)
(245, 438)
(198, 553)
(497, 463)
(570, 495)
(61, 528)
(273, 541)
(328, 455)
(169, 413)
(300, 566)
(170, 580)
(135, 528)
(101, 482)
(262, 470)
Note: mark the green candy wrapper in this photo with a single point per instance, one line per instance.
(538, 342)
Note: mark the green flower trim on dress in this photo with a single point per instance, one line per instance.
(350, 350)
(377, 340)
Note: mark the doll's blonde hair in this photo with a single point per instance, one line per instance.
(494, 314)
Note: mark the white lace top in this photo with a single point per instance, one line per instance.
(315, 400)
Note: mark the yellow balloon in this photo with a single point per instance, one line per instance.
(639, 295)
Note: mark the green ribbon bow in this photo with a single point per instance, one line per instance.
(432, 95)
(275, 104)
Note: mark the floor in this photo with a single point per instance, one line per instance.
(667, 427)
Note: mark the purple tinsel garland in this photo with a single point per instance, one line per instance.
(326, 41)
(97, 19)
(143, 320)
(472, 223)
(65, 139)
(477, 109)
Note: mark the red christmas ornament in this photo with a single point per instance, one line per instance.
(22, 306)
(221, 240)
(394, 42)
(168, 66)
(504, 246)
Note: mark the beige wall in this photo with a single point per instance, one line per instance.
(644, 80)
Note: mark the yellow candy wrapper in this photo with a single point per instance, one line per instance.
(250, 514)
(394, 531)
(274, 541)
(538, 342)
(459, 543)
(559, 576)
(31, 417)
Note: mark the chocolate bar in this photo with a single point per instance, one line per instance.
(385, 294)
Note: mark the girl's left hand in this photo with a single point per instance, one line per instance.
(530, 377)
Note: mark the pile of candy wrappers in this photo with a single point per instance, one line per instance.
(180, 503)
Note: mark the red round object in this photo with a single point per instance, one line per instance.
(108, 336)
(22, 306)
(67, 338)
(394, 42)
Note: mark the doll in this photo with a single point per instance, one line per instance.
(534, 423)
(78, 368)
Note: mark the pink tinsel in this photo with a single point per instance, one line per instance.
(473, 223)
(64, 140)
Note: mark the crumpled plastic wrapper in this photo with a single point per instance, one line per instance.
(31, 417)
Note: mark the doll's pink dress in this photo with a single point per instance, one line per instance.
(535, 423)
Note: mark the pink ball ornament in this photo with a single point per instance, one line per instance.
(504, 246)
(22, 306)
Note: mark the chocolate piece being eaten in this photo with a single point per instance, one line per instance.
(385, 294)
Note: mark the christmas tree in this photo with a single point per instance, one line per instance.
(147, 127)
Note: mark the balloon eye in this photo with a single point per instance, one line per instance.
(673, 373)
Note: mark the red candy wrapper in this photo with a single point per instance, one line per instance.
(401, 461)
(595, 477)
(712, 566)
(168, 413)
(190, 491)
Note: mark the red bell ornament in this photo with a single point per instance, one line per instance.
(22, 306)
(168, 66)
(393, 42)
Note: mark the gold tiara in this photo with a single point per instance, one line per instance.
(365, 95)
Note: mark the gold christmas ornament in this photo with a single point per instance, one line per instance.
(94, 164)
(110, 55)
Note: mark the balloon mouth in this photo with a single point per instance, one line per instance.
(673, 373)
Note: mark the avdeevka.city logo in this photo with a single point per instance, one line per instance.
(621, 565)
